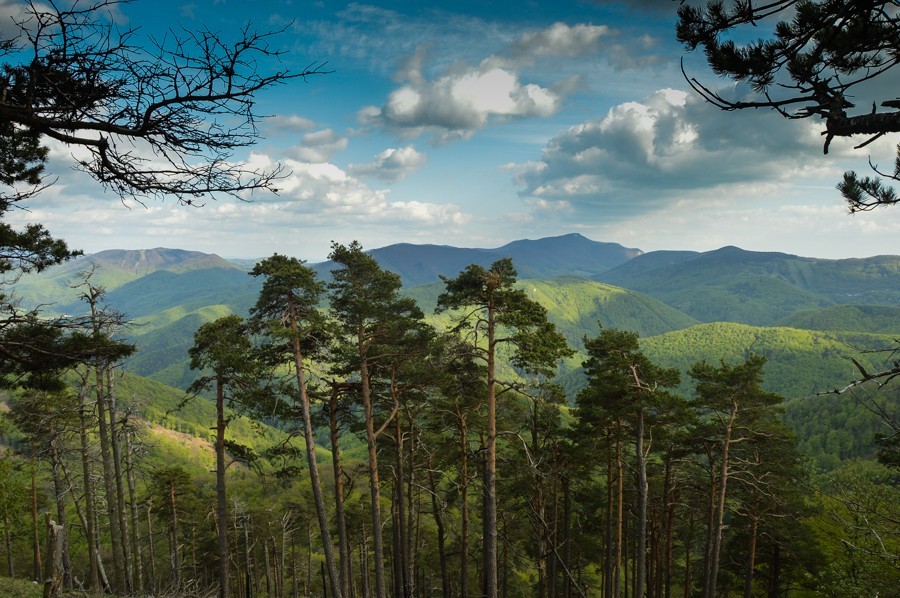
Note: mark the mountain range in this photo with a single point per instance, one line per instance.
(806, 315)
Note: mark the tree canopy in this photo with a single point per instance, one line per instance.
(826, 59)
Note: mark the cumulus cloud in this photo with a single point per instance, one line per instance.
(460, 102)
(642, 155)
(318, 146)
(391, 165)
(467, 96)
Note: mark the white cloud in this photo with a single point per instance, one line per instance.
(641, 155)
(560, 40)
(391, 165)
(460, 102)
(318, 146)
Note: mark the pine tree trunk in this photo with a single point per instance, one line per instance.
(60, 492)
(221, 500)
(109, 482)
(489, 523)
(152, 581)
(35, 539)
(174, 556)
(136, 555)
(402, 531)
(119, 481)
(610, 505)
(321, 514)
(620, 519)
(93, 575)
(340, 516)
(719, 521)
(441, 539)
(374, 483)
(640, 572)
(751, 557)
(464, 509)
(54, 574)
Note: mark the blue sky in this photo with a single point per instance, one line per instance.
(477, 123)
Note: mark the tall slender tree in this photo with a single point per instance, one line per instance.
(222, 346)
(365, 303)
(491, 314)
(287, 312)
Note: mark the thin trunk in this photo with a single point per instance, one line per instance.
(174, 556)
(35, 540)
(719, 520)
(152, 580)
(321, 513)
(751, 557)
(118, 478)
(109, 482)
(343, 539)
(490, 468)
(60, 492)
(403, 532)
(640, 572)
(610, 505)
(620, 502)
(720, 505)
(670, 497)
(364, 563)
(464, 509)
(221, 501)
(439, 523)
(132, 502)
(374, 483)
(93, 576)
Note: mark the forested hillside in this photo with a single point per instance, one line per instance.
(395, 408)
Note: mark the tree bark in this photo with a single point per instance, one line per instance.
(340, 516)
(221, 500)
(489, 524)
(133, 510)
(321, 514)
(719, 520)
(114, 426)
(93, 575)
(54, 573)
(374, 482)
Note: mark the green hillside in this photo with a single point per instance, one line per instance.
(163, 342)
(875, 319)
(579, 307)
(758, 288)
(800, 362)
(112, 269)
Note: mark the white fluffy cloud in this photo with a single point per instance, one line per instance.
(460, 102)
(641, 155)
(392, 165)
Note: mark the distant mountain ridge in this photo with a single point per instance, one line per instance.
(565, 255)
(147, 261)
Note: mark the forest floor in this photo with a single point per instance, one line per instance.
(22, 588)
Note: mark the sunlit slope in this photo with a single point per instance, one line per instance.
(875, 319)
(800, 363)
(731, 284)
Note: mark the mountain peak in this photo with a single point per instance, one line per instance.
(146, 261)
